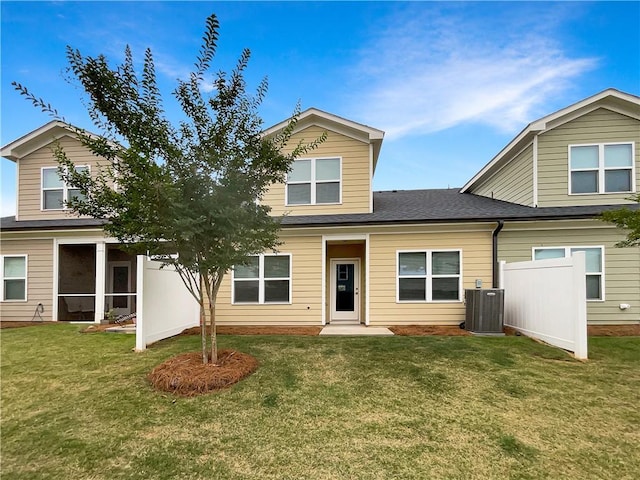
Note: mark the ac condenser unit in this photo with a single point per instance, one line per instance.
(484, 311)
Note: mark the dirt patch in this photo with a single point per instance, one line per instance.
(24, 324)
(270, 330)
(614, 330)
(185, 375)
(423, 330)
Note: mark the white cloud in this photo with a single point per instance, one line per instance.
(436, 66)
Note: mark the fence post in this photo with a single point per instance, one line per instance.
(141, 343)
(580, 300)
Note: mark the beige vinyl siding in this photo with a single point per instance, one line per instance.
(475, 249)
(306, 291)
(599, 126)
(513, 183)
(356, 178)
(621, 265)
(29, 177)
(39, 279)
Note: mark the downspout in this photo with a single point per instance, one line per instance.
(494, 256)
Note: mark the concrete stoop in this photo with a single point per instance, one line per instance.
(130, 329)
(355, 330)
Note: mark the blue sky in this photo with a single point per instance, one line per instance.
(450, 83)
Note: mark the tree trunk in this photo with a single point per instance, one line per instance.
(203, 332)
(213, 285)
(214, 341)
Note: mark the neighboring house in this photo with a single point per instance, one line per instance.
(351, 255)
(580, 158)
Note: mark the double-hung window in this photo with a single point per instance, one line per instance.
(601, 168)
(55, 191)
(14, 277)
(314, 181)
(594, 265)
(264, 279)
(429, 276)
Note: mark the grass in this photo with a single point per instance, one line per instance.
(78, 406)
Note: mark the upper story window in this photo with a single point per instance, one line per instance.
(13, 269)
(265, 279)
(314, 181)
(601, 168)
(429, 276)
(594, 265)
(55, 192)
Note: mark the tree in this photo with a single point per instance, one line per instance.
(628, 219)
(191, 188)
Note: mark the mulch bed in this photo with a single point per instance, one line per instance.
(411, 330)
(267, 330)
(614, 330)
(24, 324)
(424, 330)
(185, 375)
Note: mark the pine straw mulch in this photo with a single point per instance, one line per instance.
(614, 330)
(415, 330)
(185, 375)
(16, 324)
(264, 330)
(424, 330)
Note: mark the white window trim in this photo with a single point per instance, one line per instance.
(261, 281)
(428, 276)
(601, 168)
(26, 275)
(313, 182)
(65, 189)
(567, 254)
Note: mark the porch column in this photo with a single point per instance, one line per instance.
(101, 266)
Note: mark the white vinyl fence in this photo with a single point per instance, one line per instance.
(165, 306)
(546, 299)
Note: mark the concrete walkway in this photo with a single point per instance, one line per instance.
(355, 330)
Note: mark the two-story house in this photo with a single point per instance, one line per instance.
(351, 255)
(575, 162)
(56, 266)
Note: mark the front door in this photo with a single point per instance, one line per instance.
(345, 291)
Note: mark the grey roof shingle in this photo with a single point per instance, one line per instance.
(10, 224)
(390, 207)
(443, 205)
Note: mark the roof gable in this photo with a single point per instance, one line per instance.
(36, 139)
(334, 123)
(611, 99)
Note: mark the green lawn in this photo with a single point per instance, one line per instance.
(78, 406)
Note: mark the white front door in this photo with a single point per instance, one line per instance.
(345, 290)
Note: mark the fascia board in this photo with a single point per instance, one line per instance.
(314, 116)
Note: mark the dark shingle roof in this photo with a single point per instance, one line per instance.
(10, 224)
(391, 207)
(442, 205)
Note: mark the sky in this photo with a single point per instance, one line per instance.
(450, 83)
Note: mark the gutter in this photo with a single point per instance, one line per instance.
(494, 253)
(434, 221)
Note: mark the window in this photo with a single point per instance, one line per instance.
(314, 181)
(14, 277)
(264, 279)
(55, 192)
(429, 276)
(601, 168)
(594, 265)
